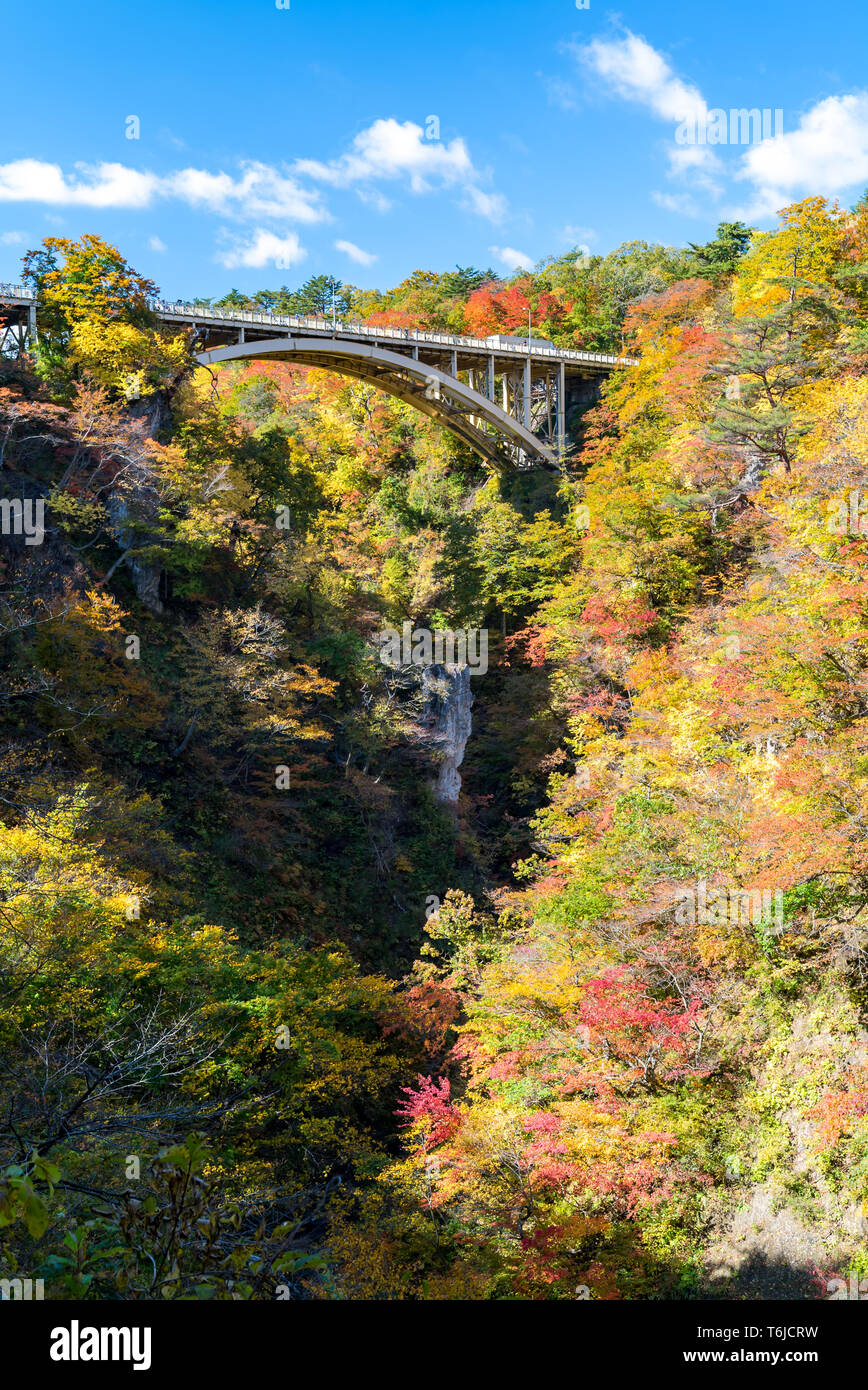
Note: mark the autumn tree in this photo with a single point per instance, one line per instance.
(95, 318)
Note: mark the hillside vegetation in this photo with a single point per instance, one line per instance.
(273, 1023)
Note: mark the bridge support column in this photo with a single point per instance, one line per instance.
(454, 365)
(527, 393)
(489, 379)
(562, 413)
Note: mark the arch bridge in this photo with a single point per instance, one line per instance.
(508, 397)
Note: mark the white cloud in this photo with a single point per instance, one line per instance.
(265, 248)
(697, 165)
(391, 149)
(681, 203)
(260, 191)
(827, 153)
(639, 73)
(12, 238)
(574, 236)
(692, 158)
(355, 253)
(490, 205)
(512, 259)
(156, 244)
(97, 186)
(386, 150)
(374, 198)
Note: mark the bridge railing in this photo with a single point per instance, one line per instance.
(182, 309)
(370, 330)
(14, 291)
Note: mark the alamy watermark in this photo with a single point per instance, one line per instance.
(847, 516)
(77, 1343)
(423, 647)
(23, 518)
(855, 1288)
(715, 907)
(21, 1290)
(738, 126)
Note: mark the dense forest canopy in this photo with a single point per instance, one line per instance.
(576, 300)
(275, 1022)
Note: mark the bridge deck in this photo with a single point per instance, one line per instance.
(255, 324)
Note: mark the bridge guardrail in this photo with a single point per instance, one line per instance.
(363, 330)
(360, 329)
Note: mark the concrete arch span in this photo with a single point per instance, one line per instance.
(506, 443)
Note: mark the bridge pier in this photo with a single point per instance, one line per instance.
(562, 413)
(17, 320)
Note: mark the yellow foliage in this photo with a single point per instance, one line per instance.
(123, 358)
(806, 245)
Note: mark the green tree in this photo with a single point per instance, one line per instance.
(719, 258)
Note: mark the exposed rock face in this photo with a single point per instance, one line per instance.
(449, 718)
(154, 411)
(124, 529)
(131, 508)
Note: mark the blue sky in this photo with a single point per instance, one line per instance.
(277, 143)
